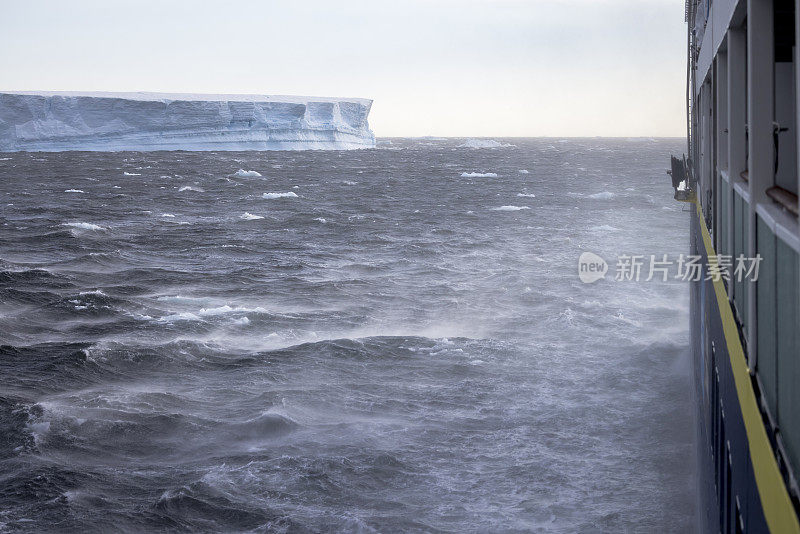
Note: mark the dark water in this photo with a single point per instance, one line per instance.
(385, 351)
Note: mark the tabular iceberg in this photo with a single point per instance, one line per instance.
(57, 121)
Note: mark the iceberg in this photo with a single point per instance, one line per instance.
(59, 121)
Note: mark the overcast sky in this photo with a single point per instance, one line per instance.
(433, 67)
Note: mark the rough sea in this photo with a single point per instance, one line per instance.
(388, 340)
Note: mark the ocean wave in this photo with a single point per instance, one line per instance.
(241, 173)
(485, 143)
(272, 196)
(266, 425)
(215, 311)
(191, 188)
(528, 195)
(479, 175)
(85, 226)
(605, 195)
(247, 216)
(511, 208)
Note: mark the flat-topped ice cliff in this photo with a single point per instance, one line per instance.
(56, 121)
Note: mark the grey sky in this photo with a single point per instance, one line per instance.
(435, 67)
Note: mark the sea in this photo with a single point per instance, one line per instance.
(385, 340)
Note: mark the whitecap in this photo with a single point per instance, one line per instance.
(479, 175)
(186, 316)
(131, 173)
(219, 310)
(241, 173)
(167, 215)
(523, 171)
(191, 188)
(39, 430)
(242, 321)
(528, 195)
(511, 208)
(485, 143)
(74, 191)
(320, 219)
(271, 196)
(84, 226)
(349, 182)
(93, 292)
(605, 195)
(603, 228)
(250, 217)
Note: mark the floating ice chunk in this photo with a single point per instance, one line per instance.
(250, 217)
(74, 191)
(241, 173)
(85, 226)
(479, 175)
(511, 208)
(529, 195)
(523, 171)
(485, 143)
(271, 196)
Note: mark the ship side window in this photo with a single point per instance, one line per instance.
(766, 310)
(784, 190)
(788, 349)
(740, 237)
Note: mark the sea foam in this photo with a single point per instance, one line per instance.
(485, 143)
(479, 175)
(85, 226)
(241, 173)
(511, 208)
(271, 196)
